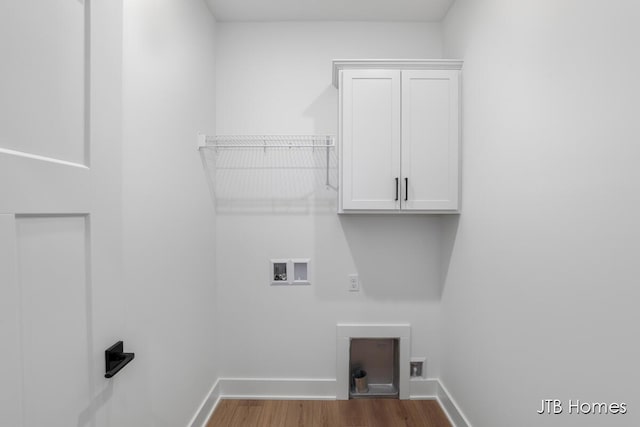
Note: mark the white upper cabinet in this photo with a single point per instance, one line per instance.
(399, 136)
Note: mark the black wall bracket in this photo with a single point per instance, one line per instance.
(116, 359)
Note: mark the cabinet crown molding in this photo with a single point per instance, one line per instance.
(393, 64)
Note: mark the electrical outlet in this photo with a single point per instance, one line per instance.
(354, 283)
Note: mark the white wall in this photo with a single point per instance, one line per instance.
(169, 91)
(275, 78)
(541, 296)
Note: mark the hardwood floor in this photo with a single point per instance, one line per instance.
(329, 413)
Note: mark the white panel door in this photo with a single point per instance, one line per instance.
(430, 139)
(370, 139)
(60, 210)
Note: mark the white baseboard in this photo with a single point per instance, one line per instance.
(312, 389)
(423, 389)
(278, 388)
(451, 408)
(207, 407)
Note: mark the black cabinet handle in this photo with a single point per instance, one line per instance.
(406, 189)
(397, 189)
(116, 359)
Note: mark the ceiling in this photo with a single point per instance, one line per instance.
(329, 10)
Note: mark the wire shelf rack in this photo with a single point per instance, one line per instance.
(272, 172)
(266, 141)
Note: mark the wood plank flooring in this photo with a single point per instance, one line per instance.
(329, 413)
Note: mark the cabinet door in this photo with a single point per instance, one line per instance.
(370, 140)
(430, 139)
